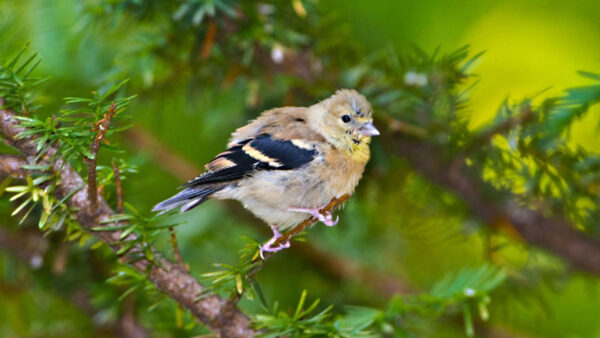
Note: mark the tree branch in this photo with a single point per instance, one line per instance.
(119, 187)
(219, 315)
(287, 236)
(101, 129)
(28, 246)
(553, 234)
(11, 166)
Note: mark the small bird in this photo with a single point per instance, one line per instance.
(288, 163)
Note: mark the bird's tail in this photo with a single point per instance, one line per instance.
(186, 199)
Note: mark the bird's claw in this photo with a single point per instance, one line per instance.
(327, 219)
(324, 217)
(267, 247)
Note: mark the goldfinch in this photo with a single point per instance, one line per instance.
(288, 163)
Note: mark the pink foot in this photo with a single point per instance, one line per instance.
(326, 218)
(267, 246)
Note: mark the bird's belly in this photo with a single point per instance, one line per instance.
(270, 194)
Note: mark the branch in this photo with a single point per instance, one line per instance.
(119, 187)
(219, 315)
(308, 222)
(553, 234)
(27, 246)
(209, 39)
(101, 129)
(250, 275)
(11, 166)
(505, 126)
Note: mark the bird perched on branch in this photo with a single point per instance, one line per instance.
(288, 163)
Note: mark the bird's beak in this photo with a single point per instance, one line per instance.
(368, 129)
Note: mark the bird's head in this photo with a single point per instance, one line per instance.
(345, 120)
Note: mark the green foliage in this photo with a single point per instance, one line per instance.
(304, 322)
(531, 160)
(202, 68)
(146, 229)
(55, 214)
(574, 104)
(75, 128)
(464, 291)
(235, 279)
(471, 287)
(72, 134)
(16, 81)
(194, 11)
(130, 278)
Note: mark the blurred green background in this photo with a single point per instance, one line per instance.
(397, 226)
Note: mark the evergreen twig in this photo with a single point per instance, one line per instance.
(119, 186)
(553, 234)
(215, 312)
(12, 166)
(307, 222)
(260, 262)
(101, 128)
(176, 251)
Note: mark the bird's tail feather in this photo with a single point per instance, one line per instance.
(186, 199)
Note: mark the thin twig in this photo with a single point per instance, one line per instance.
(215, 312)
(250, 275)
(209, 39)
(119, 186)
(129, 326)
(27, 245)
(176, 251)
(555, 234)
(101, 128)
(30, 246)
(507, 125)
(11, 166)
(406, 128)
(309, 221)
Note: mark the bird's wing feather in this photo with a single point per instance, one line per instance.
(260, 153)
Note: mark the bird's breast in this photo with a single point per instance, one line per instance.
(270, 193)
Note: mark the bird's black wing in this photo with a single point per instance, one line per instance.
(260, 153)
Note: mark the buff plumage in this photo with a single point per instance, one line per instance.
(289, 162)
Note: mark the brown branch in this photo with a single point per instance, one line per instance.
(28, 246)
(308, 222)
(250, 275)
(553, 234)
(209, 39)
(218, 314)
(119, 187)
(176, 252)
(335, 266)
(505, 126)
(406, 128)
(129, 326)
(11, 166)
(101, 129)
(142, 140)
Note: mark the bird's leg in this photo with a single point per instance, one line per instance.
(324, 217)
(267, 246)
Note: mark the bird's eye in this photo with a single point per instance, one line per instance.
(345, 118)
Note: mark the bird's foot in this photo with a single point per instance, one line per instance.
(324, 217)
(268, 247)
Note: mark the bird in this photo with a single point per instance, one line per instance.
(288, 163)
